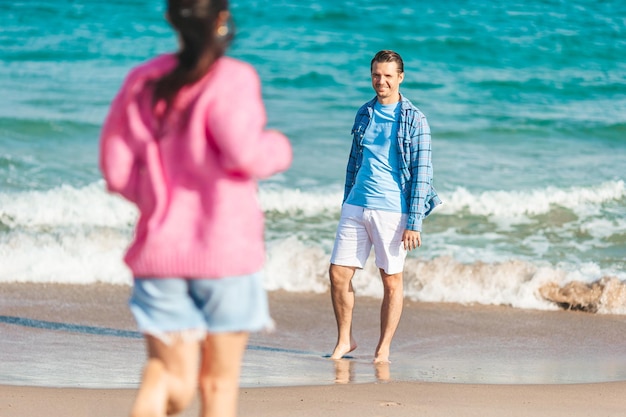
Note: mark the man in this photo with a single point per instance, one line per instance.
(388, 192)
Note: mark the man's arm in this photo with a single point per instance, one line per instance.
(421, 172)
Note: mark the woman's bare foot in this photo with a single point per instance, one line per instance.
(343, 349)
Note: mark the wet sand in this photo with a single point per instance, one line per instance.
(447, 359)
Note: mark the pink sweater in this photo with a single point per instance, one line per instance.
(194, 182)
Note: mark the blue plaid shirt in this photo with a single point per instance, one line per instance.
(414, 148)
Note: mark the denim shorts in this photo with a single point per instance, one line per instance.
(166, 306)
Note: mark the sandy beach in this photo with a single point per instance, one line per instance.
(526, 107)
(448, 359)
(358, 400)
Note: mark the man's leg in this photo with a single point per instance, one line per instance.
(342, 296)
(390, 313)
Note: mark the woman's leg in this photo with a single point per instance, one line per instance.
(222, 354)
(169, 378)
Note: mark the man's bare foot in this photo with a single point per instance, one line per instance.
(381, 356)
(343, 349)
(378, 360)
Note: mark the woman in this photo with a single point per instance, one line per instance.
(185, 141)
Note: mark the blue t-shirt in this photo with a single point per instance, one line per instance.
(377, 183)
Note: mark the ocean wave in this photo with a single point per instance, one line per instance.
(516, 283)
(292, 266)
(515, 204)
(78, 236)
(65, 206)
(585, 207)
(64, 235)
(295, 201)
(497, 203)
(92, 205)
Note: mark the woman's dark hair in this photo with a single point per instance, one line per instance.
(201, 43)
(388, 56)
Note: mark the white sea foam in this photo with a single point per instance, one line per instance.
(64, 235)
(89, 206)
(294, 201)
(519, 204)
(71, 258)
(294, 267)
(78, 235)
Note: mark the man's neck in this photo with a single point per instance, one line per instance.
(389, 100)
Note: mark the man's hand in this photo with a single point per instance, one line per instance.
(411, 239)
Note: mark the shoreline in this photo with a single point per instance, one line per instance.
(90, 341)
(397, 399)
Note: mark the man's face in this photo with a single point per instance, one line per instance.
(386, 81)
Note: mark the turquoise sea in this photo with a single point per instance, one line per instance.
(527, 106)
(526, 102)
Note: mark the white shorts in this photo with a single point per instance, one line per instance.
(360, 228)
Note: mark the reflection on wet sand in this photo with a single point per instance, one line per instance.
(345, 371)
